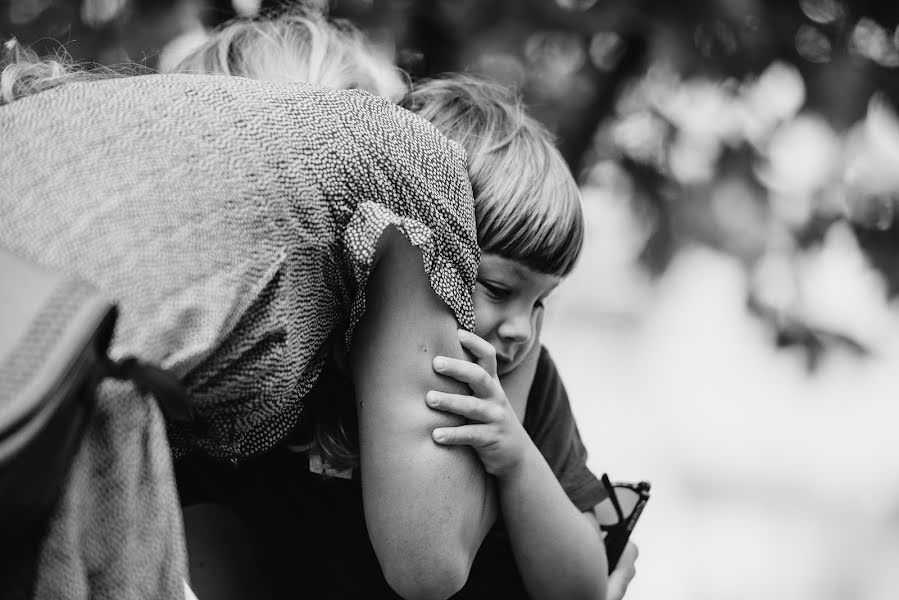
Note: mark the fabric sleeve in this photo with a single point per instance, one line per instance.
(551, 425)
(449, 266)
(389, 167)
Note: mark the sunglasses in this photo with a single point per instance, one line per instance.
(618, 514)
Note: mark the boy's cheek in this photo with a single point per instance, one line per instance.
(533, 344)
(485, 315)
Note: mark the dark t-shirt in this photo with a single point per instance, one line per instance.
(550, 423)
(310, 530)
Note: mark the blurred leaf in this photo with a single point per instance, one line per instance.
(872, 41)
(813, 45)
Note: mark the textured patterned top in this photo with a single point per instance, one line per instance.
(235, 222)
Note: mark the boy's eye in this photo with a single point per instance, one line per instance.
(494, 291)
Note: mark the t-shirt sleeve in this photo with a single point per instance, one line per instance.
(552, 427)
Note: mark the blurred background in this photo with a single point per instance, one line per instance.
(731, 334)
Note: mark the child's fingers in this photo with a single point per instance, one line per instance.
(474, 409)
(483, 350)
(463, 435)
(621, 577)
(479, 380)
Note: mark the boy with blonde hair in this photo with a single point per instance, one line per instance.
(519, 421)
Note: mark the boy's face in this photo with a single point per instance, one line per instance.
(508, 306)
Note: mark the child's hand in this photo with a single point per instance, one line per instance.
(623, 573)
(493, 429)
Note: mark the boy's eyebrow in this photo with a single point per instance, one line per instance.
(520, 269)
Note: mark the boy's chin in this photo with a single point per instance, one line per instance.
(504, 367)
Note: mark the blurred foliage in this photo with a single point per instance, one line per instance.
(752, 126)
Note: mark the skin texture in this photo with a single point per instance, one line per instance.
(427, 507)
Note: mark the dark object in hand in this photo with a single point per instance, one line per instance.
(628, 500)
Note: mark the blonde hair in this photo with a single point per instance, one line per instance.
(299, 45)
(527, 203)
(23, 72)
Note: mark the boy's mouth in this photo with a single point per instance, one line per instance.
(503, 363)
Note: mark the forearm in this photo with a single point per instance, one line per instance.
(427, 509)
(557, 548)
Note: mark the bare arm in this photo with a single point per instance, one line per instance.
(536, 509)
(517, 385)
(427, 507)
(557, 548)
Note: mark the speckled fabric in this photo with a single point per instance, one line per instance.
(235, 222)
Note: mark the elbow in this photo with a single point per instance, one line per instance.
(434, 577)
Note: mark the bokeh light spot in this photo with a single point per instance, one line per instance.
(778, 93)
(247, 8)
(576, 5)
(606, 48)
(558, 53)
(871, 40)
(641, 136)
(97, 13)
(812, 44)
(25, 11)
(503, 67)
(822, 11)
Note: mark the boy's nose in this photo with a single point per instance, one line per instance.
(516, 328)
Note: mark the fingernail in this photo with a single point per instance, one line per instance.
(431, 398)
(439, 363)
(462, 334)
(439, 436)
